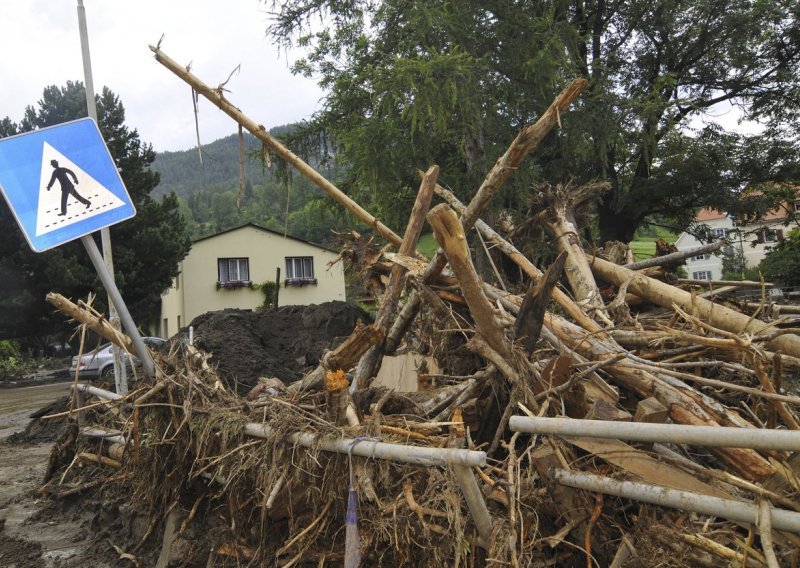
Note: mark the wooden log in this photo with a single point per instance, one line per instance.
(665, 295)
(450, 235)
(369, 364)
(97, 324)
(564, 301)
(675, 256)
(685, 405)
(651, 411)
(559, 221)
(216, 97)
(530, 318)
(733, 283)
(345, 356)
(525, 142)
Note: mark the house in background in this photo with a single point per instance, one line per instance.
(753, 240)
(220, 271)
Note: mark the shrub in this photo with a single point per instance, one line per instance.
(9, 349)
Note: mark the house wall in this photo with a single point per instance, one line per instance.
(745, 239)
(197, 290)
(711, 264)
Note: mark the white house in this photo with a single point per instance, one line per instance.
(753, 240)
(221, 270)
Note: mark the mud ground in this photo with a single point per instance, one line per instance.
(29, 538)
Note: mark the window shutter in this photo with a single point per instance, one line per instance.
(780, 234)
(760, 237)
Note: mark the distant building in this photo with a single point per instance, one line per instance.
(220, 271)
(753, 240)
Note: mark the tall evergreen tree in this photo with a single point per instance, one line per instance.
(146, 249)
(415, 83)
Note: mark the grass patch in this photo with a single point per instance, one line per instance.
(643, 249)
(643, 244)
(427, 245)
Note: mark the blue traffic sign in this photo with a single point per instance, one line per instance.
(61, 183)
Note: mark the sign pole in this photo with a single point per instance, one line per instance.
(120, 370)
(116, 299)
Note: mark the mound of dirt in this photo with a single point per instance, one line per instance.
(43, 431)
(282, 343)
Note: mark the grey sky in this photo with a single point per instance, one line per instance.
(40, 46)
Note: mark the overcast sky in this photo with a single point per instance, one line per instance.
(40, 46)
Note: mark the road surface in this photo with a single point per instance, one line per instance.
(17, 403)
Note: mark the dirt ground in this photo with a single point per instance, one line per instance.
(29, 537)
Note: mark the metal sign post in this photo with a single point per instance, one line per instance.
(120, 370)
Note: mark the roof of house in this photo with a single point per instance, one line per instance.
(779, 212)
(709, 215)
(260, 228)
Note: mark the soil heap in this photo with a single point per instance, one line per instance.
(282, 343)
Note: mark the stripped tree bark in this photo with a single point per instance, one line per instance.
(564, 301)
(665, 295)
(559, 220)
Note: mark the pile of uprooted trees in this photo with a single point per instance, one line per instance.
(564, 426)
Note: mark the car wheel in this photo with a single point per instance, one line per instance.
(108, 373)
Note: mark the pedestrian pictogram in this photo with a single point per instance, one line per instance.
(61, 183)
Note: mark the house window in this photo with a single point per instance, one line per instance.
(233, 273)
(797, 205)
(701, 275)
(701, 257)
(300, 270)
(769, 236)
(719, 233)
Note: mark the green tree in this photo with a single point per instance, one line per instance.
(782, 264)
(147, 249)
(415, 83)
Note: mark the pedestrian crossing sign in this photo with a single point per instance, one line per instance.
(61, 183)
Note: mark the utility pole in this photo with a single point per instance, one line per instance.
(120, 371)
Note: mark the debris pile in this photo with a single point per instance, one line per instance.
(599, 417)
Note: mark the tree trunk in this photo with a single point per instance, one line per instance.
(615, 225)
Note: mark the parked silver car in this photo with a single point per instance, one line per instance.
(100, 362)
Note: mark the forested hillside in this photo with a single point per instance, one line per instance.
(211, 199)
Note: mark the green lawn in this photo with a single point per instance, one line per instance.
(643, 249)
(643, 244)
(427, 245)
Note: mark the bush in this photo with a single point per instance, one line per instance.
(782, 264)
(267, 288)
(9, 349)
(9, 357)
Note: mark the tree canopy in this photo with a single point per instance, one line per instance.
(146, 249)
(782, 264)
(416, 83)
